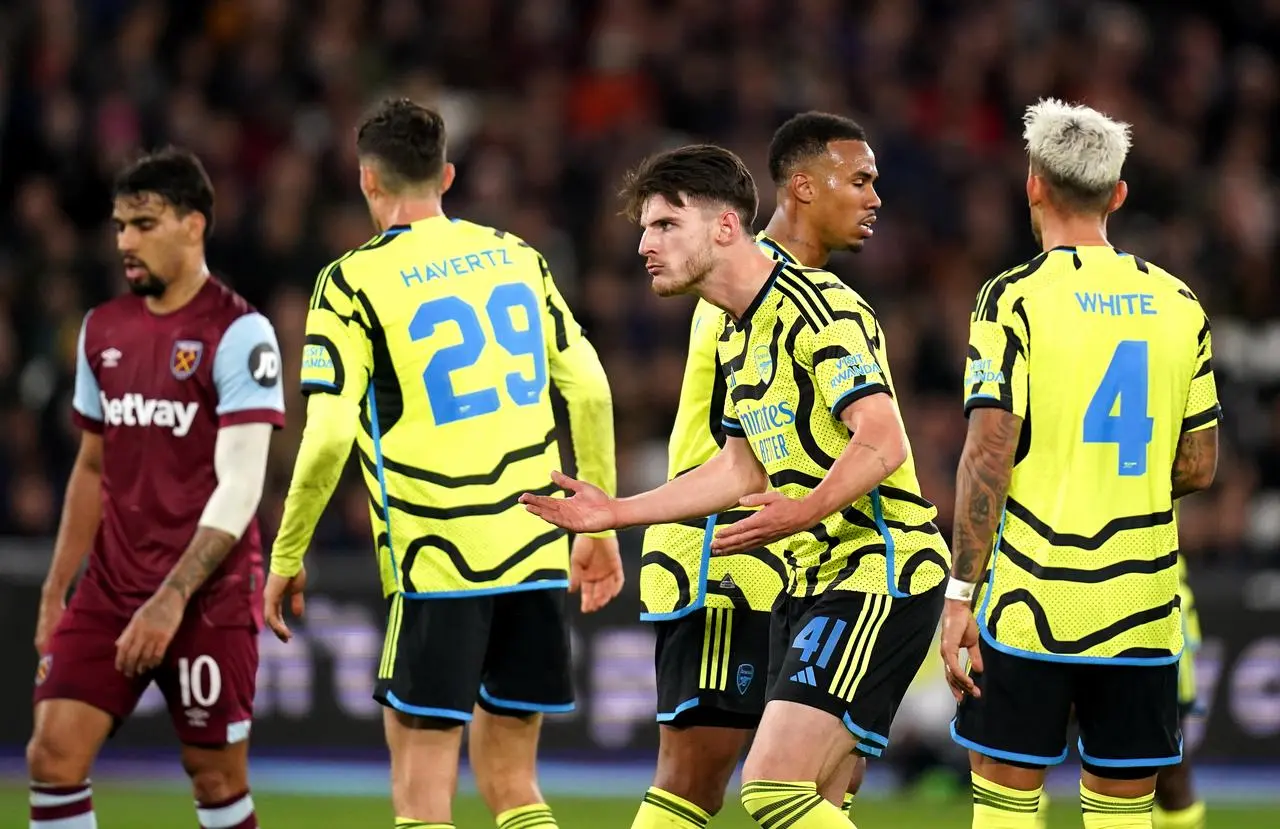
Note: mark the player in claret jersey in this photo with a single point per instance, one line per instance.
(432, 347)
(712, 613)
(177, 390)
(1091, 402)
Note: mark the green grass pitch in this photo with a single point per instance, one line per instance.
(130, 808)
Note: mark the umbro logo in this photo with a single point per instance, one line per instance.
(111, 358)
(727, 583)
(805, 677)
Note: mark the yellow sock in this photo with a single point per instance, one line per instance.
(1191, 817)
(664, 810)
(1042, 816)
(773, 804)
(847, 808)
(527, 817)
(1105, 812)
(411, 823)
(1000, 807)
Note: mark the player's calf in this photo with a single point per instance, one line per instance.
(694, 767)
(504, 756)
(220, 784)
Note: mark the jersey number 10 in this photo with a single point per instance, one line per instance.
(447, 405)
(1130, 428)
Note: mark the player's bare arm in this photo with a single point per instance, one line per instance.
(81, 514)
(720, 483)
(1196, 462)
(982, 484)
(240, 460)
(877, 448)
(326, 443)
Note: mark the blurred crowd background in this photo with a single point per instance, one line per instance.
(549, 101)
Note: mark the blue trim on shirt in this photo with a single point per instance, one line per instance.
(701, 601)
(382, 480)
(877, 513)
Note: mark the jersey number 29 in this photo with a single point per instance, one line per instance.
(447, 405)
(1130, 428)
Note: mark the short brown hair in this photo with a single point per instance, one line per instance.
(406, 140)
(699, 172)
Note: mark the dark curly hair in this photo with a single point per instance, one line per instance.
(806, 136)
(176, 176)
(406, 140)
(698, 172)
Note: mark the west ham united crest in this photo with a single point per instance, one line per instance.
(186, 358)
(42, 669)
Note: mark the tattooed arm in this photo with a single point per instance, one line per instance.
(240, 461)
(1196, 463)
(982, 484)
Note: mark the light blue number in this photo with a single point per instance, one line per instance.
(1130, 428)
(447, 406)
(811, 638)
(524, 391)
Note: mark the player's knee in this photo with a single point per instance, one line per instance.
(212, 785)
(54, 762)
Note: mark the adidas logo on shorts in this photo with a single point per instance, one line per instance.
(805, 677)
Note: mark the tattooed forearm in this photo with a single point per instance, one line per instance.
(981, 486)
(1196, 462)
(204, 554)
(885, 466)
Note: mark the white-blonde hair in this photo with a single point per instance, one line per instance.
(1076, 147)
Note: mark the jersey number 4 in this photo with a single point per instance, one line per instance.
(1124, 388)
(447, 405)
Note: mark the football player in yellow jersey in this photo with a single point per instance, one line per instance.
(805, 365)
(712, 625)
(1091, 402)
(432, 347)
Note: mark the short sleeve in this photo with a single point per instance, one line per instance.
(246, 371)
(337, 354)
(729, 416)
(996, 368)
(559, 327)
(87, 401)
(1203, 409)
(848, 354)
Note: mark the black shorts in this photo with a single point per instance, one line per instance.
(506, 652)
(712, 666)
(1127, 714)
(852, 655)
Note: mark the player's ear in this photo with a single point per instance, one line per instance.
(447, 175)
(801, 187)
(193, 225)
(1035, 189)
(1118, 195)
(368, 180)
(728, 226)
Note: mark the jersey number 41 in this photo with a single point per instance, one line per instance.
(447, 406)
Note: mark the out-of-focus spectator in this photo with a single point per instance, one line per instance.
(548, 101)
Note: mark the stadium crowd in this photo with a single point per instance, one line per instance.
(548, 101)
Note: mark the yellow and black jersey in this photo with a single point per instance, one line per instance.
(805, 349)
(1107, 360)
(678, 575)
(447, 333)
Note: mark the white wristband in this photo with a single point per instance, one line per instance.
(961, 590)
